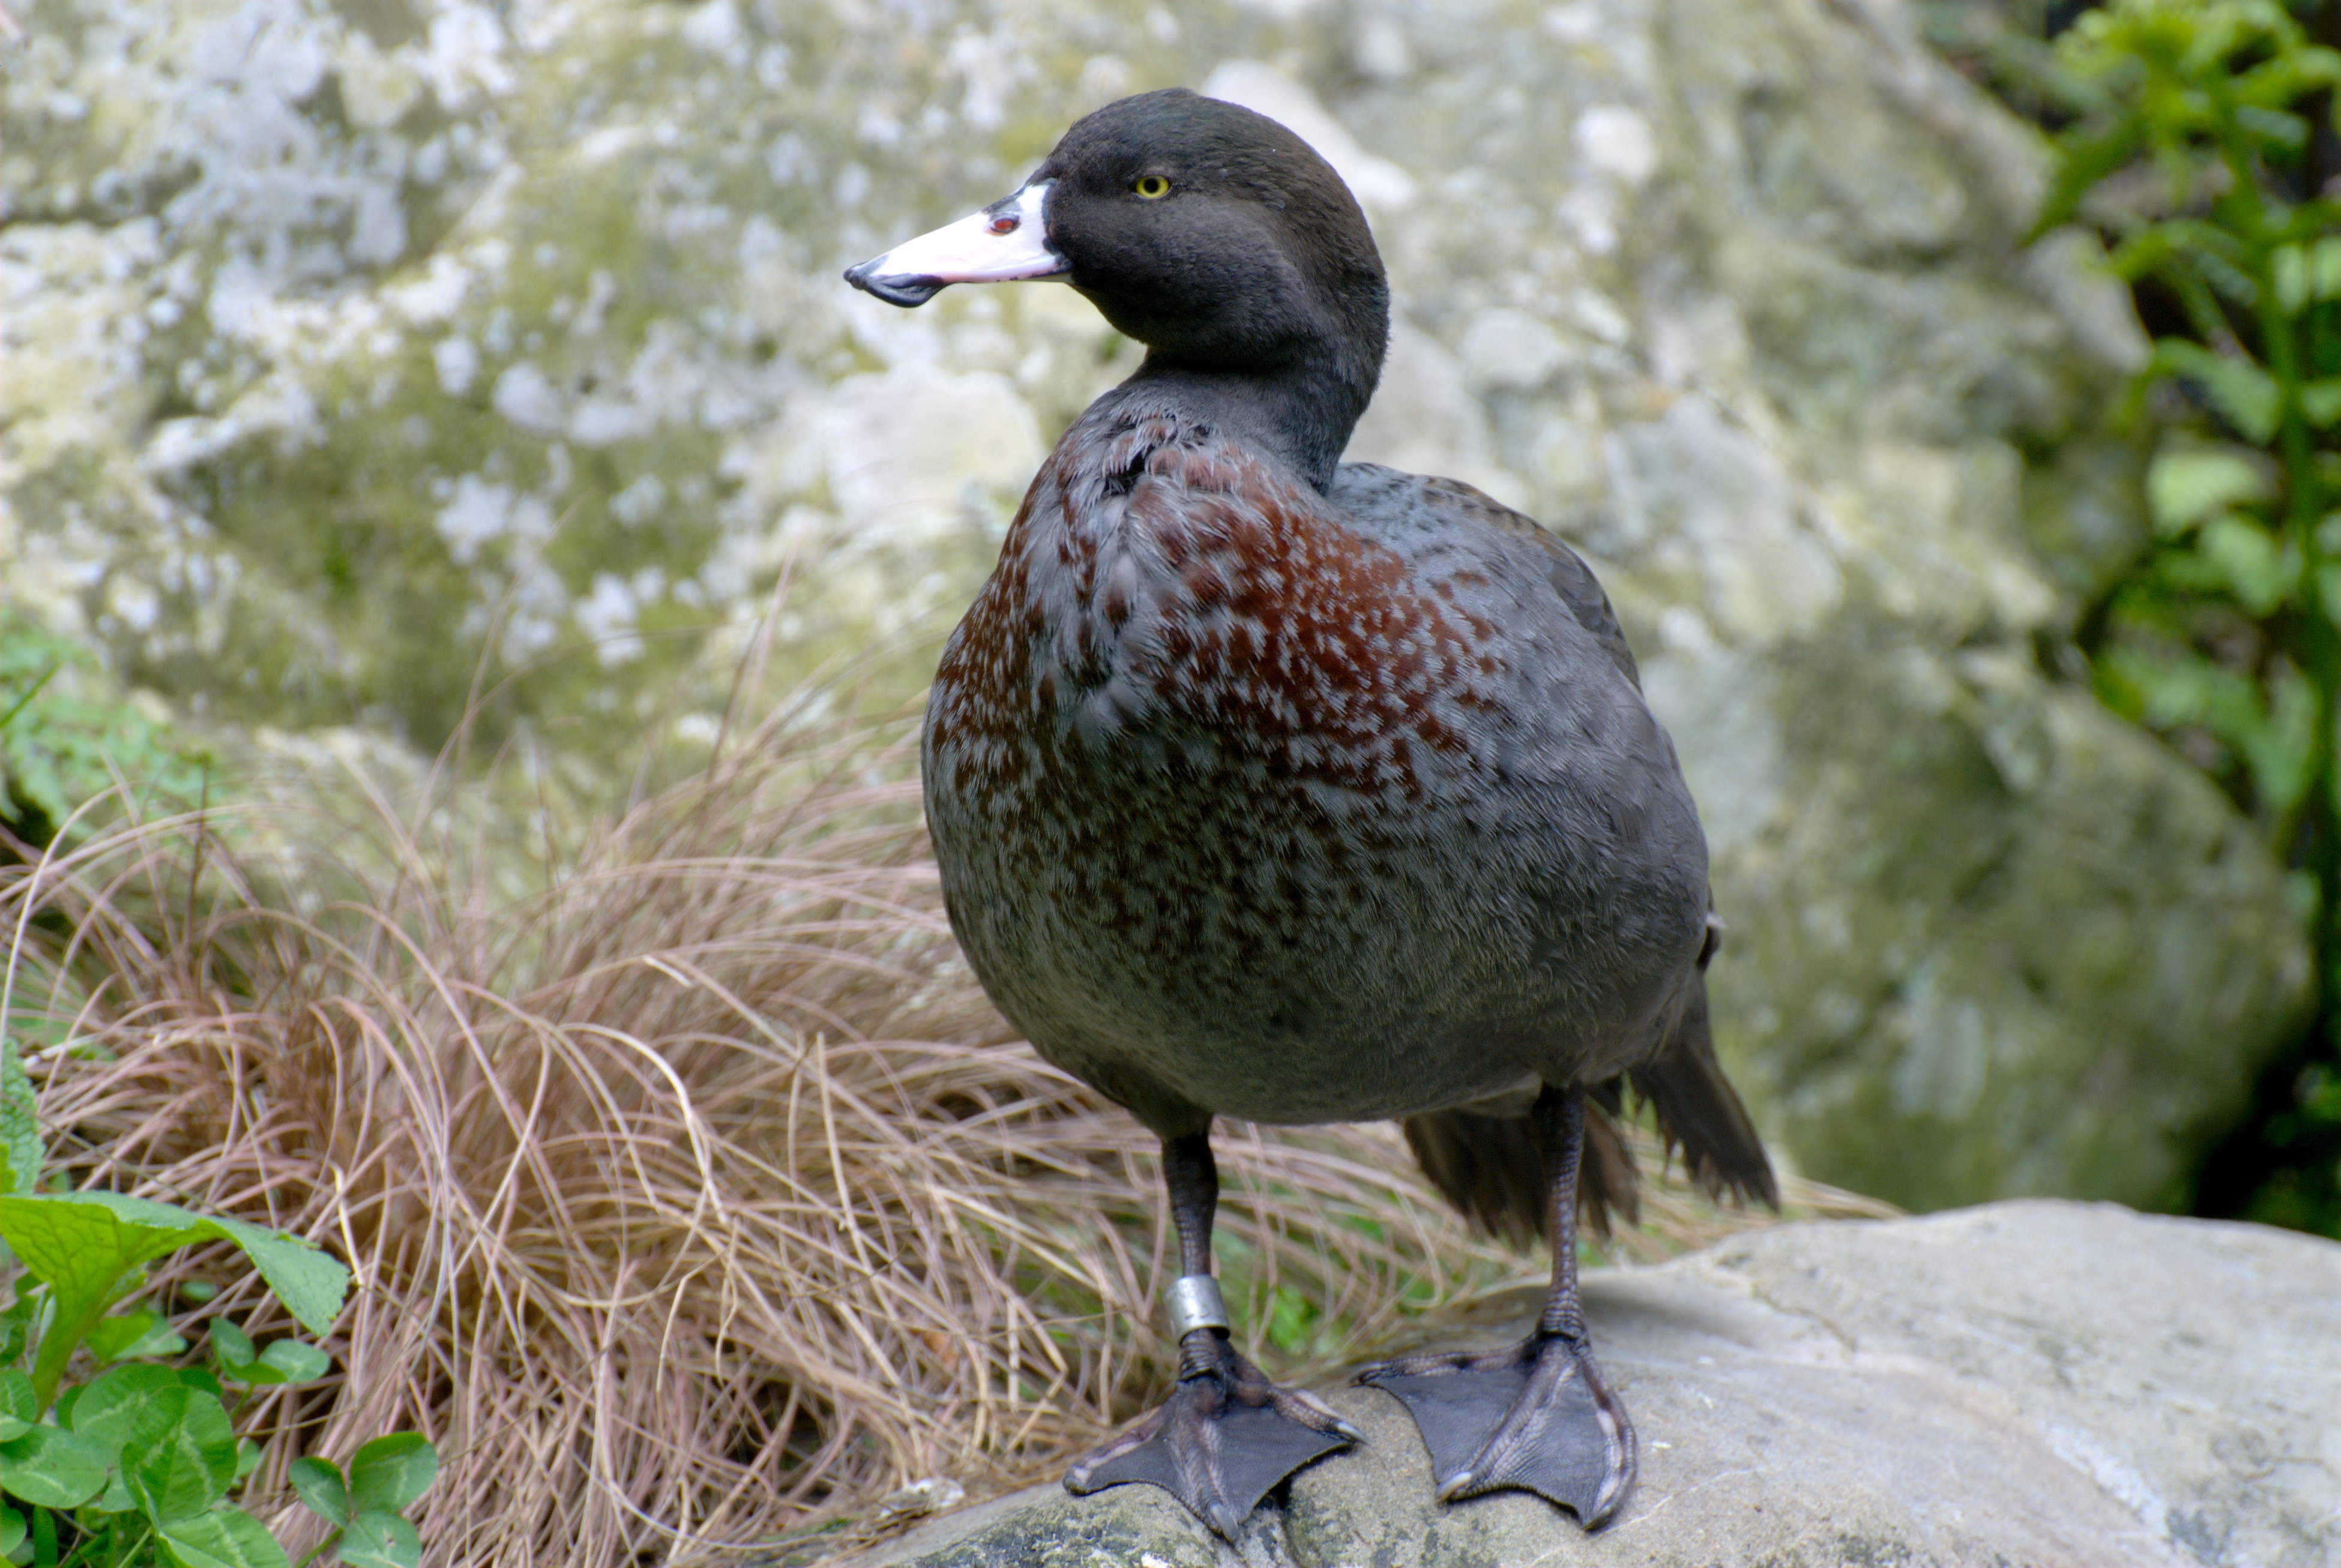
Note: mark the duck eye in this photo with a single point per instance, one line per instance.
(1153, 187)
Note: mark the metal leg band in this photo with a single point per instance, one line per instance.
(1195, 1303)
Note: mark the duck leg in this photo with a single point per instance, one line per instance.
(1227, 1434)
(1535, 1416)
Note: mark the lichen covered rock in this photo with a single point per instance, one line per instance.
(415, 356)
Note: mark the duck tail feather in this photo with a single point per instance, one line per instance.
(1489, 1168)
(1700, 1113)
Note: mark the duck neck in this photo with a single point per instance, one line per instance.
(1302, 412)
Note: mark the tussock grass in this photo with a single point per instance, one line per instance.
(694, 1193)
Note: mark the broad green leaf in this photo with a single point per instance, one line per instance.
(295, 1362)
(183, 1471)
(81, 1244)
(19, 1410)
(11, 1531)
(131, 1335)
(248, 1455)
(322, 1489)
(20, 1126)
(128, 1405)
(392, 1472)
(2186, 484)
(53, 1468)
(223, 1538)
(380, 1540)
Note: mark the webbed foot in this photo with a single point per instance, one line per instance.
(1535, 1416)
(1222, 1440)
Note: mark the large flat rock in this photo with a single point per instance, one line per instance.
(2035, 1382)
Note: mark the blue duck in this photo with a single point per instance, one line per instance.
(1272, 787)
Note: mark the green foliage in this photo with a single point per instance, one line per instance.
(133, 1466)
(2187, 148)
(67, 734)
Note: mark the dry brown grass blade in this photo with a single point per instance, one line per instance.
(694, 1197)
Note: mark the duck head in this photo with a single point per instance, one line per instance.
(1211, 235)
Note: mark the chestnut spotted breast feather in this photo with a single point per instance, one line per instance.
(1226, 768)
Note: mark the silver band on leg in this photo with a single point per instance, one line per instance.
(1195, 1303)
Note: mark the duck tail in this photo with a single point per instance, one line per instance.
(1489, 1168)
(1698, 1109)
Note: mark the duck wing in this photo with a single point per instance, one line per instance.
(1572, 581)
(1487, 1165)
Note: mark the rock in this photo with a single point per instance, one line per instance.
(2031, 1383)
(354, 349)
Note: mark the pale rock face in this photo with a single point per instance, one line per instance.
(351, 348)
(2026, 1383)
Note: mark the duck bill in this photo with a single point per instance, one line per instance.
(1008, 242)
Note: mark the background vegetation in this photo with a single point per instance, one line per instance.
(2198, 137)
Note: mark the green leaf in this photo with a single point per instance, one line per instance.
(294, 1362)
(392, 1472)
(2324, 268)
(2320, 401)
(2184, 485)
(19, 1410)
(322, 1489)
(49, 1467)
(2258, 571)
(115, 1499)
(11, 1531)
(231, 1347)
(381, 1539)
(131, 1335)
(248, 1455)
(128, 1405)
(283, 1360)
(2246, 396)
(80, 1245)
(223, 1538)
(20, 1126)
(183, 1471)
(16, 1321)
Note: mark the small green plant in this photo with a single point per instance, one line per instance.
(2191, 146)
(133, 1466)
(67, 733)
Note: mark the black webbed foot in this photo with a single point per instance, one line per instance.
(1535, 1416)
(1222, 1440)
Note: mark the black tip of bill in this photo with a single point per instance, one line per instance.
(1005, 242)
(907, 292)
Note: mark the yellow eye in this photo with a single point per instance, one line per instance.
(1153, 187)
